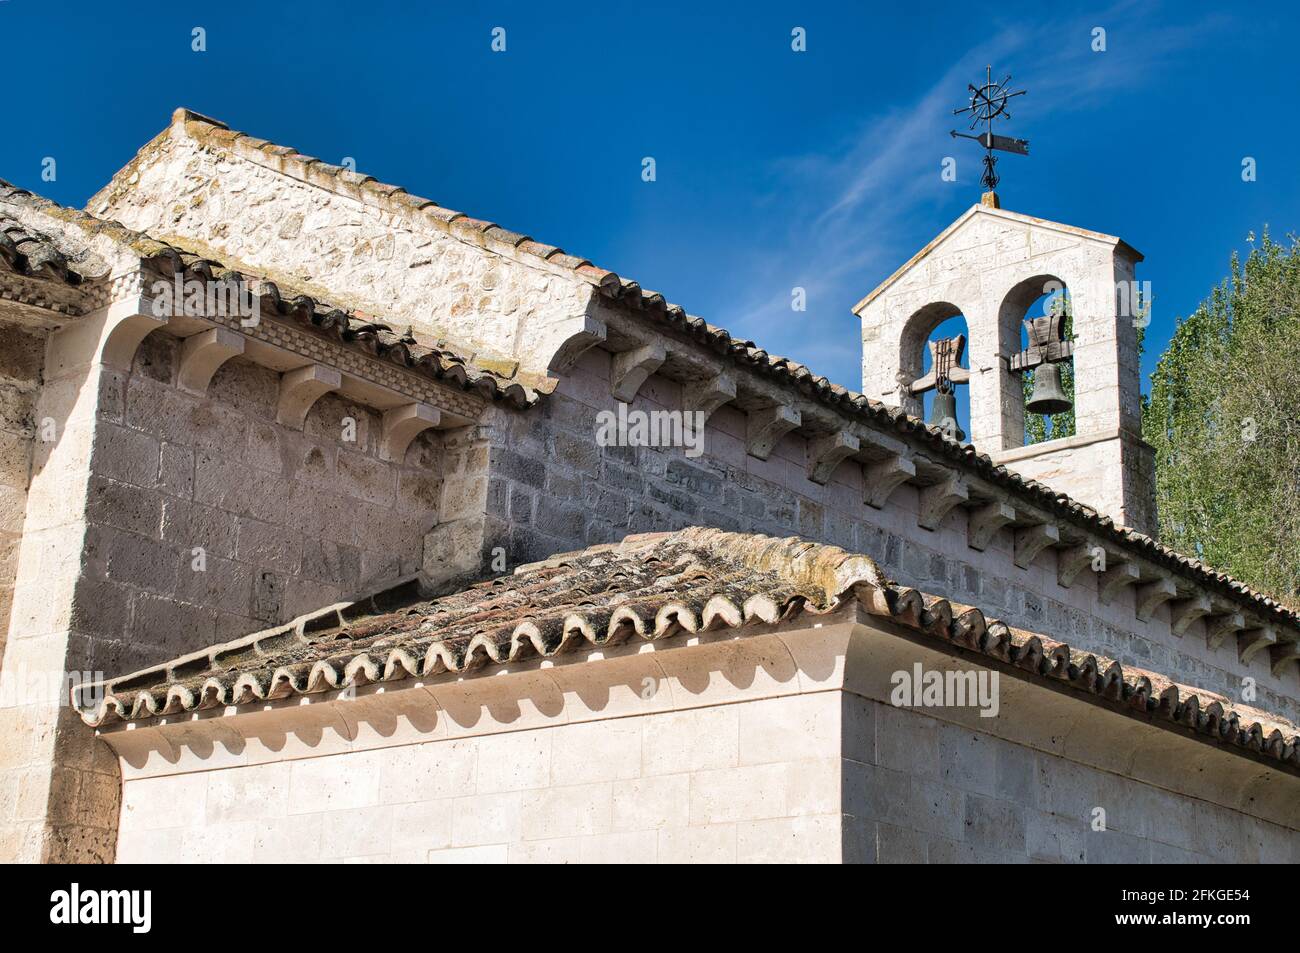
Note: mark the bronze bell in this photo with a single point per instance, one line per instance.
(1049, 396)
(943, 413)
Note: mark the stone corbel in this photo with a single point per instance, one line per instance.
(203, 353)
(631, 369)
(707, 395)
(983, 523)
(1251, 641)
(766, 427)
(1153, 595)
(1115, 579)
(1070, 562)
(1183, 612)
(1029, 541)
(301, 388)
(937, 500)
(402, 425)
(128, 323)
(1219, 627)
(1280, 655)
(827, 452)
(881, 479)
(587, 335)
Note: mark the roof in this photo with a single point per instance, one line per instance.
(366, 188)
(649, 587)
(652, 306)
(28, 252)
(31, 252)
(981, 209)
(964, 457)
(338, 179)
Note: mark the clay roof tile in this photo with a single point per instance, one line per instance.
(648, 587)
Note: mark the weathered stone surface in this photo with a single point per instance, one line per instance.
(146, 483)
(730, 783)
(399, 263)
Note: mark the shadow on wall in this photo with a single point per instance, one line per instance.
(633, 681)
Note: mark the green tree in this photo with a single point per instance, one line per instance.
(1224, 419)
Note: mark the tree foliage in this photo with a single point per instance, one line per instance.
(1224, 419)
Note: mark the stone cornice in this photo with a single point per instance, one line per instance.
(1065, 443)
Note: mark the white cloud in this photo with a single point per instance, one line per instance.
(865, 205)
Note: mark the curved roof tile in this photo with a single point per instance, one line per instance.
(25, 251)
(647, 588)
(852, 404)
(817, 388)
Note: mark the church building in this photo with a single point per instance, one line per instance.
(339, 525)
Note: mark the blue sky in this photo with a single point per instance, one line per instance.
(775, 169)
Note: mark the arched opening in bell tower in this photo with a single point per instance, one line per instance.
(1036, 328)
(936, 322)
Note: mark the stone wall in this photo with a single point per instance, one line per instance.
(245, 209)
(22, 358)
(753, 781)
(59, 785)
(158, 523)
(921, 790)
(553, 489)
(819, 777)
(208, 520)
(1118, 467)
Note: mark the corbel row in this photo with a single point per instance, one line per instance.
(1115, 571)
(764, 425)
(1251, 636)
(887, 464)
(1033, 533)
(1221, 620)
(203, 353)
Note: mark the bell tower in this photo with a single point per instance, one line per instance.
(990, 266)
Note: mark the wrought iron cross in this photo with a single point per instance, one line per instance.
(987, 103)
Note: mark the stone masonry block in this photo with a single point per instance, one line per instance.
(268, 546)
(223, 584)
(330, 562)
(125, 507)
(514, 761)
(367, 478)
(596, 751)
(573, 811)
(563, 520)
(173, 626)
(127, 456)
